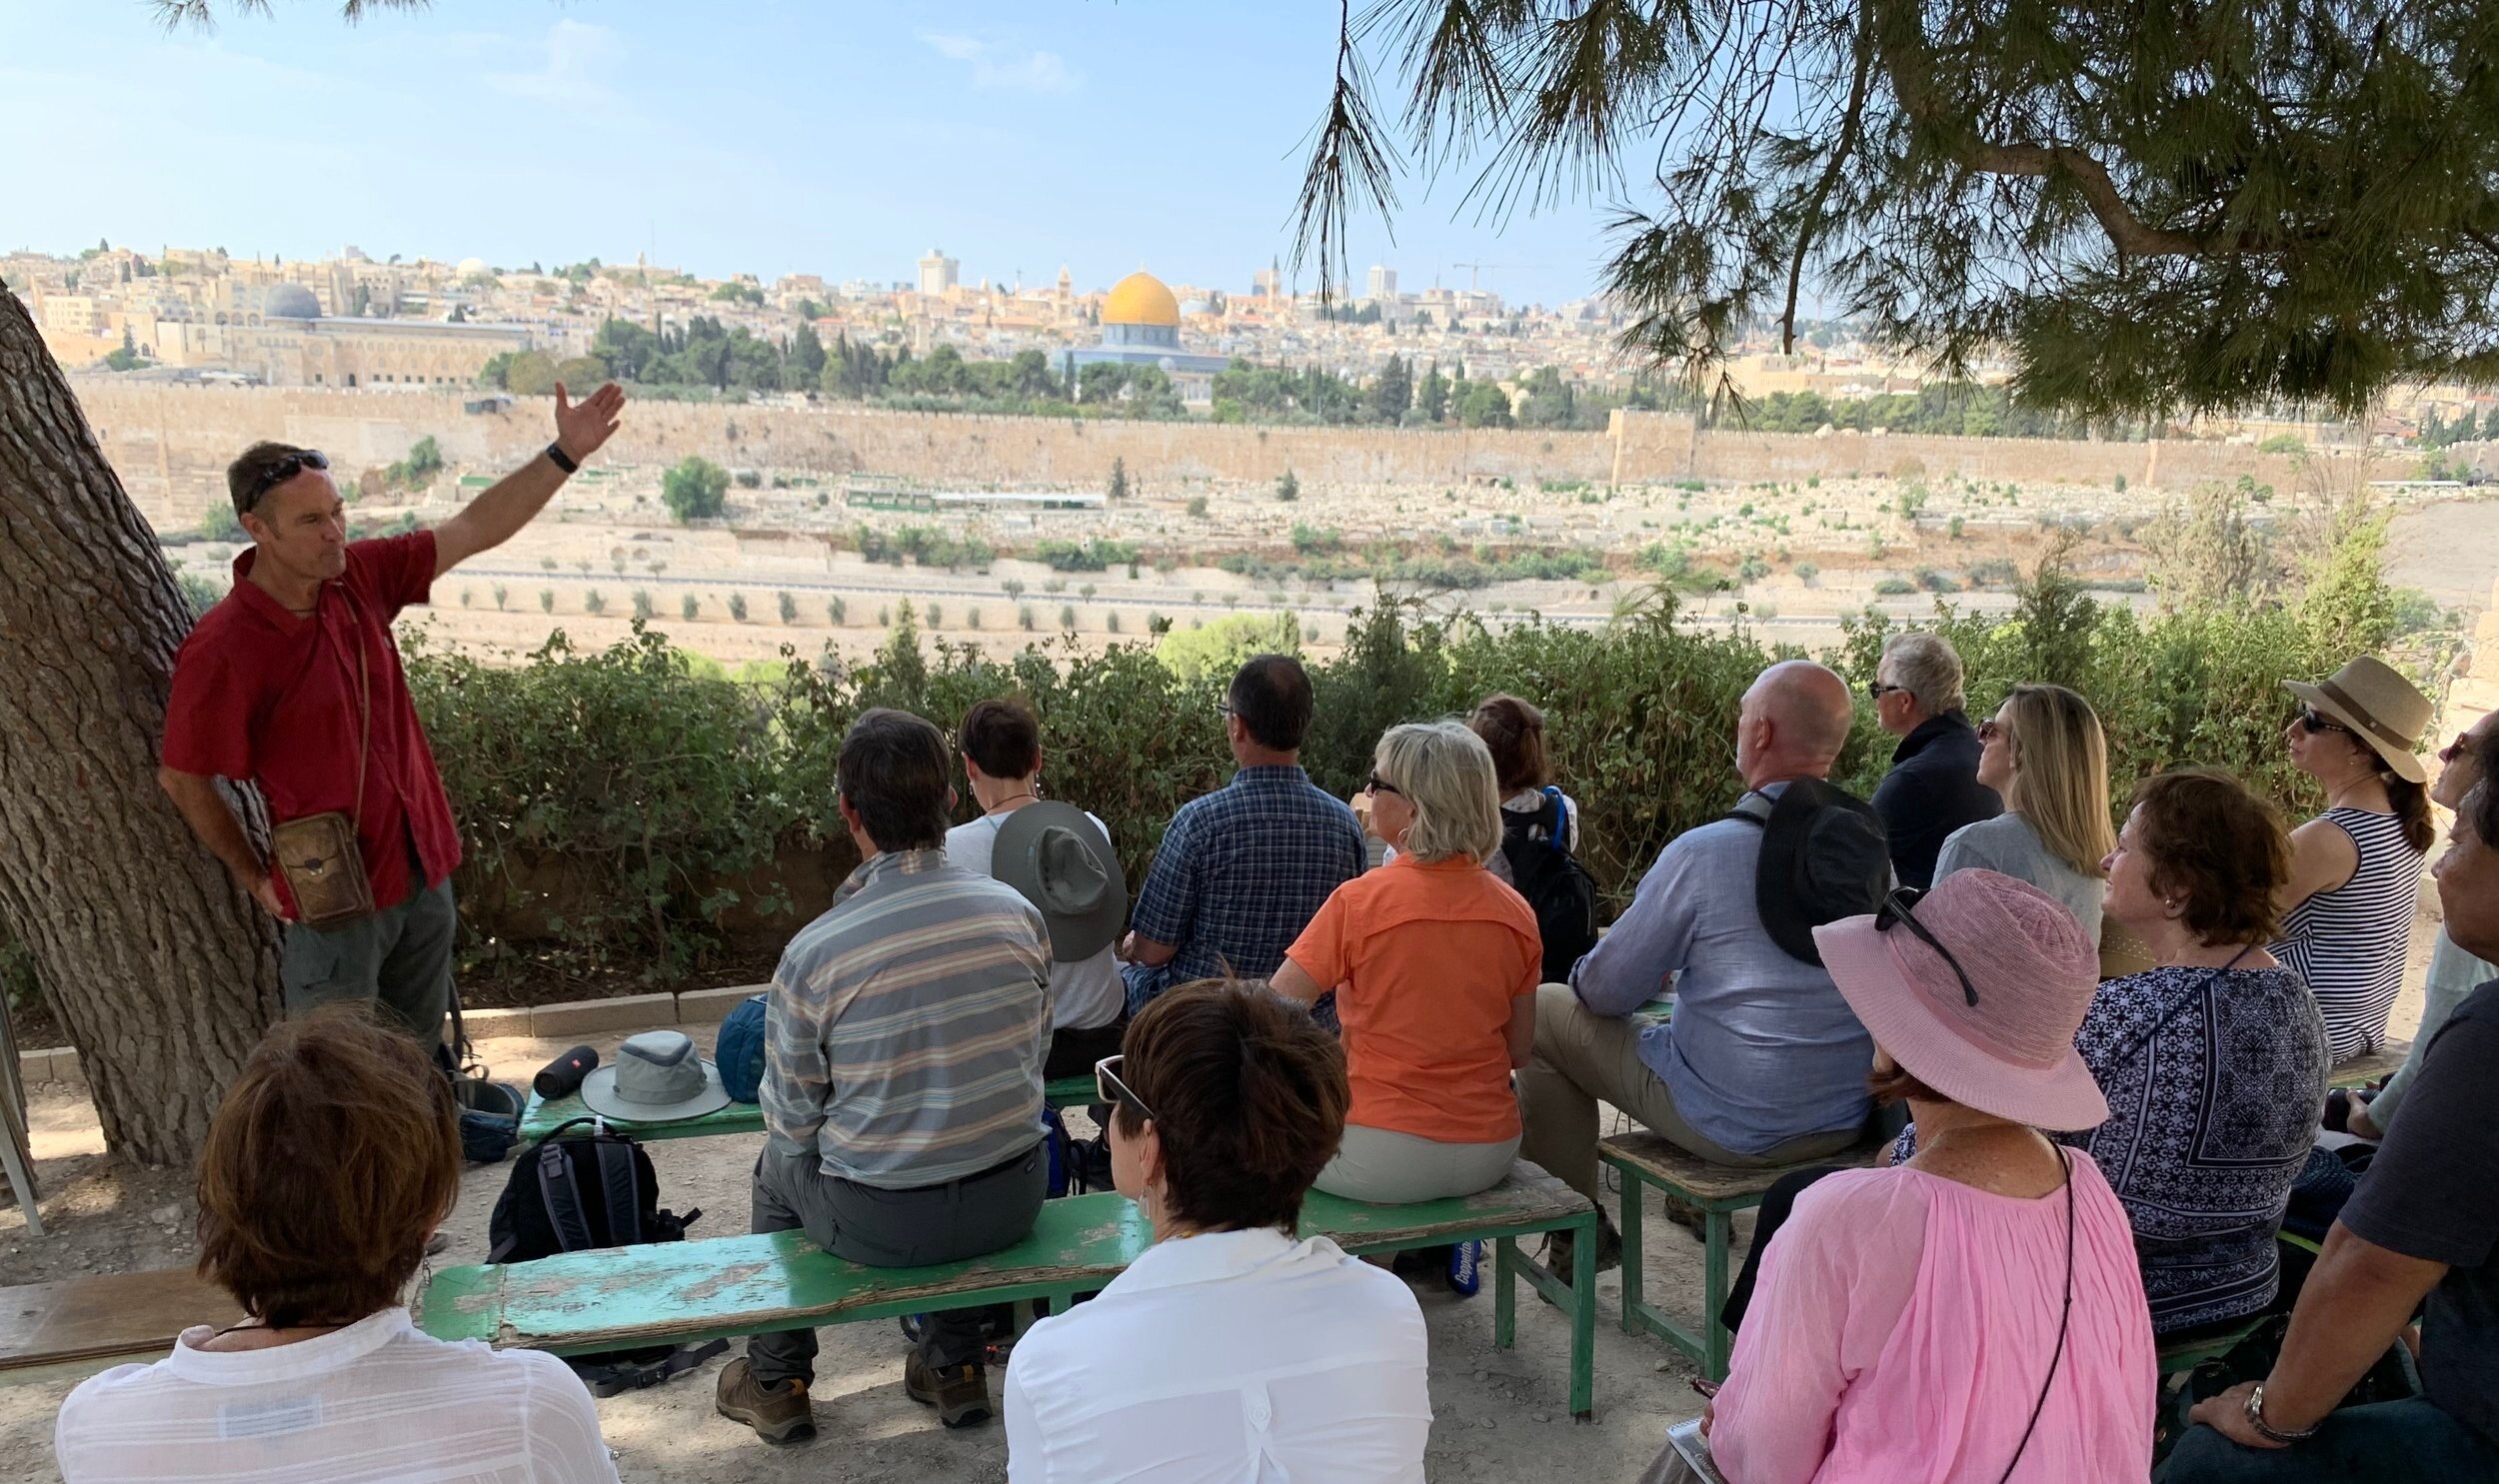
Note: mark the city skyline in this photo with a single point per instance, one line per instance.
(1018, 139)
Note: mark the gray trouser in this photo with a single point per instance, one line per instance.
(401, 955)
(1580, 1058)
(977, 1214)
(1389, 1168)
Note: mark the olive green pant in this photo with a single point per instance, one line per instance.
(399, 957)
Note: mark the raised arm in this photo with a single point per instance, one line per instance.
(515, 500)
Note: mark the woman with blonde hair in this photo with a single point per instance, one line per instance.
(2044, 752)
(1435, 964)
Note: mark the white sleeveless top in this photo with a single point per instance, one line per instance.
(2349, 945)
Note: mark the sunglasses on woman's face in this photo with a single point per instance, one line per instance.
(1990, 729)
(2314, 724)
(1378, 785)
(1109, 1088)
(1899, 909)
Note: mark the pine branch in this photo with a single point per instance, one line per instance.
(173, 14)
(1350, 154)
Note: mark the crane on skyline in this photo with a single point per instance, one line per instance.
(1472, 269)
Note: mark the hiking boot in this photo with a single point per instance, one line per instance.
(1686, 1215)
(961, 1393)
(779, 1414)
(1560, 1247)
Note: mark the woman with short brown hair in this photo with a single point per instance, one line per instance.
(1233, 1347)
(333, 1158)
(2214, 1063)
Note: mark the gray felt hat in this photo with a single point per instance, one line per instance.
(1061, 862)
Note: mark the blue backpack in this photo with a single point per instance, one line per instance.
(739, 1052)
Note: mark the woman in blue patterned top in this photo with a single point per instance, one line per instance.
(2214, 1063)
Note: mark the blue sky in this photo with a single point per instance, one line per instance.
(762, 136)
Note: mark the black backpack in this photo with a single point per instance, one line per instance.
(1558, 888)
(595, 1189)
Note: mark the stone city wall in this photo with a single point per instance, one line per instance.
(171, 443)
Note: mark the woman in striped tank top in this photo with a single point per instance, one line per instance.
(2356, 869)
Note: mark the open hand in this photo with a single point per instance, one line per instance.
(2226, 1414)
(581, 430)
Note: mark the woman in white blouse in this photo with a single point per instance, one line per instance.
(1232, 1350)
(328, 1166)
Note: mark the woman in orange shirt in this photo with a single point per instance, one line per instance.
(1434, 961)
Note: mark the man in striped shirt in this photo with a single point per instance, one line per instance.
(901, 1091)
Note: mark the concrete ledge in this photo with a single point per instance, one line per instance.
(711, 1006)
(627, 1012)
(693, 1007)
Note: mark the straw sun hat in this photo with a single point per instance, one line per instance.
(2384, 711)
(2001, 1042)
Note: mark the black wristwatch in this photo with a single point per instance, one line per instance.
(562, 459)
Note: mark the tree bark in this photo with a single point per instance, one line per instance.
(163, 971)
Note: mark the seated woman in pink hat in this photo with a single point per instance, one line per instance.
(1975, 1316)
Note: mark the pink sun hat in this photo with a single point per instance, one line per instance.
(2031, 969)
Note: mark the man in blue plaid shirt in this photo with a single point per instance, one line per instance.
(1241, 870)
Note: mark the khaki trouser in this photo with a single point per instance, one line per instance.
(1581, 1058)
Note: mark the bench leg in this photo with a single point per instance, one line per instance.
(1715, 1340)
(1632, 1271)
(1583, 1324)
(1504, 1293)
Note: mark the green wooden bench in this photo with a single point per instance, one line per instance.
(541, 1118)
(1644, 1159)
(2178, 1357)
(679, 1292)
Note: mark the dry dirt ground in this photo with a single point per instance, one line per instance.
(1500, 1414)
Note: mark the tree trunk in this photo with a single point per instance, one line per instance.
(163, 971)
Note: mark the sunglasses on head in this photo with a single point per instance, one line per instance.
(1109, 1088)
(1898, 909)
(279, 473)
(2315, 724)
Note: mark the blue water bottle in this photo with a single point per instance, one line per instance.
(1465, 1273)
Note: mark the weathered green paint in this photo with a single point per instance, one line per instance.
(679, 1291)
(2360, 1072)
(542, 1117)
(727, 1286)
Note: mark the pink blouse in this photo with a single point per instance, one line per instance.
(1904, 1325)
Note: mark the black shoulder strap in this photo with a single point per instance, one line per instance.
(1752, 808)
(562, 1197)
(617, 1187)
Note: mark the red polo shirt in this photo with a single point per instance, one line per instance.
(264, 695)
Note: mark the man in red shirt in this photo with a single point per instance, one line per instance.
(293, 683)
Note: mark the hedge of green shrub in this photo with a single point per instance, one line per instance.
(663, 798)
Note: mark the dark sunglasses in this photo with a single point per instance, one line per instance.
(1378, 785)
(1990, 729)
(2315, 724)
(2463, 744)
(279, 473)
(1876, 689)
(1109, 1088)
(1898, 908)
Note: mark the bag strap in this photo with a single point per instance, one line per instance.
(562, 1195)
(1753, 808)
(621, 1191)
(2063, 1324)
(364, 701)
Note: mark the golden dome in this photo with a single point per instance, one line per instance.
(1141, 299)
